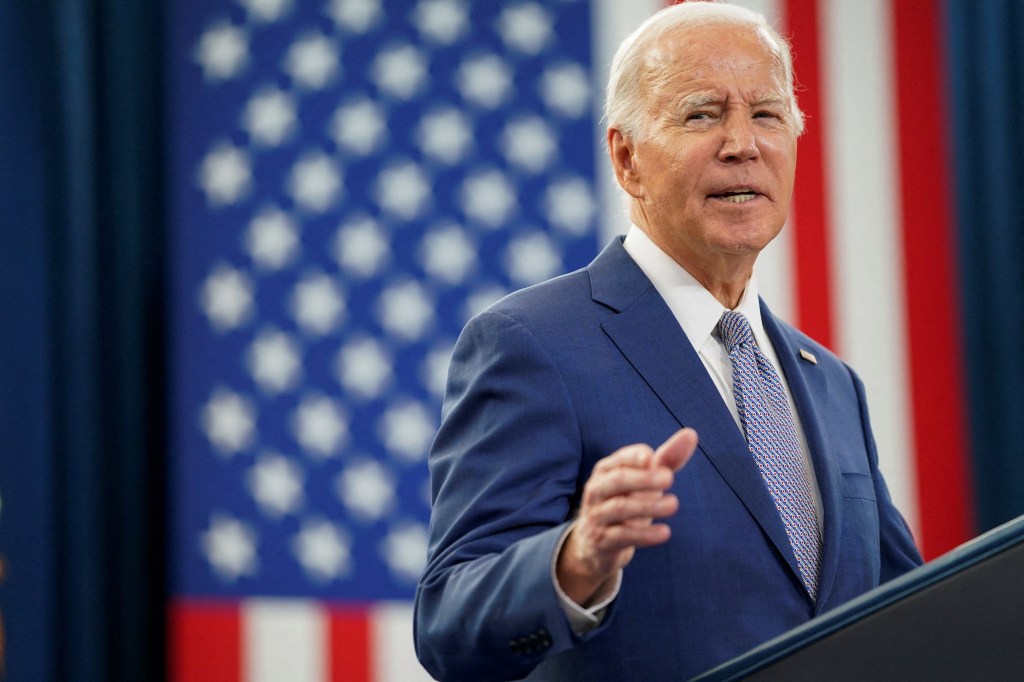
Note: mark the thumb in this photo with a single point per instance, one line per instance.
(675, 452)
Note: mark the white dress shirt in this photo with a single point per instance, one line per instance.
(698, 313)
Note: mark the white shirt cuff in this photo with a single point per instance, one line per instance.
(581, 619)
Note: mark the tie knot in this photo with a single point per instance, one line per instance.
(734, 329)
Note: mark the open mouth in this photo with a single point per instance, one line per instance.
(737, 196)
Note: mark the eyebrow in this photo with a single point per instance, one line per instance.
(698, 100)
(703, 99)
(774, 99)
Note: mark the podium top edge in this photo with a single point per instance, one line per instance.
(993, 542)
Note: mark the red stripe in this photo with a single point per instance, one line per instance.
(204, 642)
(810, 208)
(933, 312)
(349, 645)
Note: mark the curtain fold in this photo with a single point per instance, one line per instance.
(987, 59)
(92, 231)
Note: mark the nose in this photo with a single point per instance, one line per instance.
(739, 139)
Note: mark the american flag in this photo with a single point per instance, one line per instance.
(352, 179)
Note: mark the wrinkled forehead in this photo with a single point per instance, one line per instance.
(707, 50)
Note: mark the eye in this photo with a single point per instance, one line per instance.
(772, 115)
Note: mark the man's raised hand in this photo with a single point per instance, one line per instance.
(626, 492)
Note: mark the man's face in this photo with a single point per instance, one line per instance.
(714, 178)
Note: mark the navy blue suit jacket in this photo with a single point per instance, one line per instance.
(555, 377)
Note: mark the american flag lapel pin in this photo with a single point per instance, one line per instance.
(808, 356)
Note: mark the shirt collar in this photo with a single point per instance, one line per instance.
(693, 306)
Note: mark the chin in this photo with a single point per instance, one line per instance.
(744, 243)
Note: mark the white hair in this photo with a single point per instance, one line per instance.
(625, 106)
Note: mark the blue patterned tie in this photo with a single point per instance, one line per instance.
(772, 438)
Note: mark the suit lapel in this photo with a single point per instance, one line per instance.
(808, 384)
(649, 337)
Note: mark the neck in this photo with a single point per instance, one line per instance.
(727, 290)
(724, 274)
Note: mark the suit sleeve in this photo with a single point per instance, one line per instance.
(898, 552)
(505, 469)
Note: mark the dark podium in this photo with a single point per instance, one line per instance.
(959, 617)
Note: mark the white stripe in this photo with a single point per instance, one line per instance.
(393, 655)
(862, 155)
(611, 22)
(283, 639)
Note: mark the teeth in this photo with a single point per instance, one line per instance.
(739, 198)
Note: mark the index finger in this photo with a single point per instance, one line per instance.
(675, 452)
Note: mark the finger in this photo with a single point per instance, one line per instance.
(637, 456)
(624, 481)
(632, 509)
(603, 544)
(675, 452)
(615, 539)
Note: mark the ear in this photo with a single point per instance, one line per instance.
(623, 158)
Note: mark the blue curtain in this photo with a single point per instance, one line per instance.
(987, 85)
(81, 465)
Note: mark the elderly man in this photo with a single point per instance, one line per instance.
(562, 546)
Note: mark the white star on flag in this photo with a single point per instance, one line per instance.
(488, 197)
(445, 135)
(570, 205)
(323, 549)
(447, 254)
(363, 367)
(407, 428)
(525, 27)
(312, 62)
(276, 483)
(400, 71)
(225, 174)
(275, 361)
(229, 421)
(405, 310)
(272, 239)
(317, 304)
(405, 550)
(434, 371)
(529, 143)
(357, 16)
(360, 247)
(227, 298)
(367, 488)
(270, 117)
(441, 21)
(403, 189)
(267, 11)
(485, 81)
(532, 258)
(315, 182)
(230, 547)
(566, 89)
(359, 126)
(223, 51)
(320, 425)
